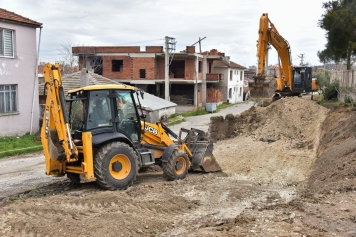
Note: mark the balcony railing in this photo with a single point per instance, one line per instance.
(214, 76)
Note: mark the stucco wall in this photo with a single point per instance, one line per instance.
(21, 70)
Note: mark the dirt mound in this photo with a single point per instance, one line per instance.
(276, 143)
(335, 169)
(290, 118)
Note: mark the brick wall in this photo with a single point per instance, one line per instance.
(214, 95)
(143, 63)
(190, 49)
(126, 73)
(189, 68)
(154, 49)
(160, 68)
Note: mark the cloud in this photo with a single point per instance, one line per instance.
(230, 26)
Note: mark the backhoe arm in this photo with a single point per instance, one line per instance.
(55, 135)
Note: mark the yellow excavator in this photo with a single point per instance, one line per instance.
(291, 80)
(97, 133)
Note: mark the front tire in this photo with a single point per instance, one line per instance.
(115, 166)
(177, 165)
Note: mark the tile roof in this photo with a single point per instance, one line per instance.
(18, 19)
(72, 81)
(223, 63)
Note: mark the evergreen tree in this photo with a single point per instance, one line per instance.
(339, 21)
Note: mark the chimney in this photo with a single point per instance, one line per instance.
(84, 78)
(227, 59)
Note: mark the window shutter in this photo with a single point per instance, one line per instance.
(9, 51)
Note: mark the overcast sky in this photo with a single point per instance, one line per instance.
(230, 26)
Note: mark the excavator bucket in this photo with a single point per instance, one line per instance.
(53, 151)
(55, 148)
(263, 87)
(203, 158)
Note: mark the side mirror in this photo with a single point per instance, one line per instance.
(143, 116)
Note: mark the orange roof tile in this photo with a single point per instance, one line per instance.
(16, 18)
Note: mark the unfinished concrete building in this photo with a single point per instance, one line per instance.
(190, 73)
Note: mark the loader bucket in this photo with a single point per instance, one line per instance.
(203, 158)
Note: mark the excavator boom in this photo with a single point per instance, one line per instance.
(291, 80)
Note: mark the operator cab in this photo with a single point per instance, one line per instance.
(107, 113)
(302, 79)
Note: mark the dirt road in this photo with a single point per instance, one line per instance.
(27, 172)
(301, 184)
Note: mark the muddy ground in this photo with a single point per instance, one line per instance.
(288, 169)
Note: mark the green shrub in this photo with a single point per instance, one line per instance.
(331, 91)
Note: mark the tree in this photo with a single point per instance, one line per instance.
(68, 62)
(323, 78)
(339, 21)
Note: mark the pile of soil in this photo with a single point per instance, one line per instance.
(335, 168)
(277, 143)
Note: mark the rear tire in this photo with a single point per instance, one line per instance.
(115, 166)
(177, 165)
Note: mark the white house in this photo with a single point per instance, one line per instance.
(19, 110)
(233, 83)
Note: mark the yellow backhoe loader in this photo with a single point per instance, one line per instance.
(291, 80)
(96, 133)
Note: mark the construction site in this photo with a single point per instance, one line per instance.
(287, 169)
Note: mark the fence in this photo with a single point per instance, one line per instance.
(346, 78)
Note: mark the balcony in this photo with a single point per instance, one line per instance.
(214, 77)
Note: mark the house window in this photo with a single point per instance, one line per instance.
(117, 65)
(240, 94)
(6, 43)
(8, 98)
(230, 92)
(231, 75)
(142, 73)
(240, 76)
(200, 66)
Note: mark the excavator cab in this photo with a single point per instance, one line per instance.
(302, 79)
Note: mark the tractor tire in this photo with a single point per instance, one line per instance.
(115, 166)
(177, 166)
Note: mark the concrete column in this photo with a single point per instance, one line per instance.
(158, 90)
(196, 71)
(166, 71)
(84, 78)
(203, 86)
(88, 62)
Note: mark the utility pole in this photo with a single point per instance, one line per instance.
(199, 41)
(170, 47)
(301, 56)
